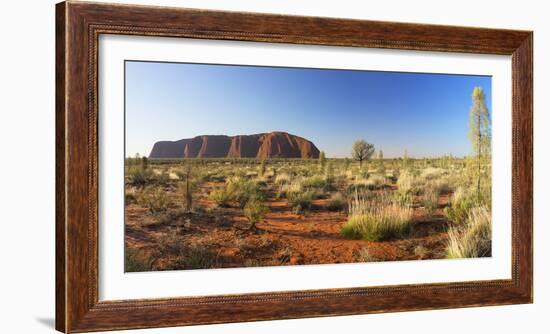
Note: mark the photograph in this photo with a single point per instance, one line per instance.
(230, 166)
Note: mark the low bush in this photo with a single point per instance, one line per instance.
(287, 188)
(254, 211)
(430, 198)
(377, 181)
(408, 183)
(315, 181)
(462, 202)
(136, 260)
(199, 257)
(243, 191)
(404, 199)
(195, 255)
(130, 196)
(136, 176)
(221, 197)
(375, 221)
(283, 178)
(337, 202)
(240, 191)
(474, 239)
(301, 201)
(431, 173)
(153, 198)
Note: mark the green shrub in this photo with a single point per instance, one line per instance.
(130, 196)
(402, 198)
(407, 183)
(301, 201)
(285, 189)
(153, 198)
(199, 257)
(474, 239)
(315, 181)
(462, 202)
(222, 197)
(240, 191)
(244, 190)
(283, 178)
(136, 176)
(376, 221)
(430, 198)
(337, 202)
(136, 260)
(254, 211)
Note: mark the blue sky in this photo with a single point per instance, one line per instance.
(425, 114)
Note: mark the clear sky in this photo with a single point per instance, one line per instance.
(426, 114)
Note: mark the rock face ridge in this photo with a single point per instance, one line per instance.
(262, 146)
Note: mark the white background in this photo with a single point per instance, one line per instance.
(27, 166)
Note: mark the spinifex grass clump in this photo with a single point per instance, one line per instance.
(315, 181)
(294, 187)
(221, 197)
(136, 260)
(153, 198)
(254, 211)
(376, 220)
(473, 239)
(337, 202)
(463, 201)
(244, 190)
(301, 201)
(136, 176)
(240, 191)
(408, 183)
(431, 197)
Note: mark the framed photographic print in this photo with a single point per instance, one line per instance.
(222, 166)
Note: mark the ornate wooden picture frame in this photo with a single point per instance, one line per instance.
(78, 27)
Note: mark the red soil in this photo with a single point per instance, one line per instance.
(283, 238)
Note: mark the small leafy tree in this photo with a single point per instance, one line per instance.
(479, 129)
(361, 151)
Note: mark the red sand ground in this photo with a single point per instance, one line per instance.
(283, 238)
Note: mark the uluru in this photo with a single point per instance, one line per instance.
(275, 144)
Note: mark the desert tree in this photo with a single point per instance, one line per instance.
(361, 151)
(479, 130)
